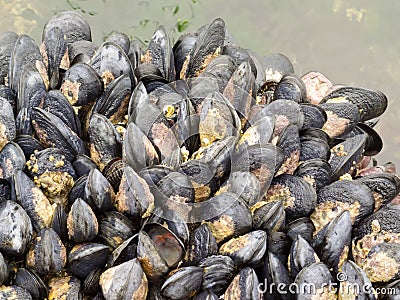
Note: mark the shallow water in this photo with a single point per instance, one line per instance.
(353, 42)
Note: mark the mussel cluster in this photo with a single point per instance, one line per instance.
(191, 170)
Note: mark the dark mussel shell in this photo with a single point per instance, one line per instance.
(381, 226)
(81, 51)
(182, 49)
(85, 258)
(240, 55)
(120, 39)
(217, 274)
(110, 62)
(339, 196)
(268, 216)
(83, 164)
(11, 159)
(104, 140)
(208, 46)
(244, 184)
(159, 53)
(124, 252)
(53, 132)
(314, 116)
(15, 236)
(57, 104)
(276, 66)
(261, 160)
(113, 172)
(134, 197)
(202, 244)
(289, 142)
(82, 222)
(138, 151)
(32, 89)
(59, 222)
(98, 192)
(318, 275)
(32, 199)
(240, 90)
(25, 52)
(316, 172)
(183, 283)
(341, 118)
(303, 227)
(384, 186)
(247, 249)
(78, 190)
(81, 84)
(314, 144)
(346, 155)
(7, 42)
(301, 255)
(158, 250)
(221, 69)
(115, 228)
(244, 285)
(73, 25)
(332, 243)
(298, 197)
(370, 103)
(7, 123)
(67, 287)
(125, 281)
(7, 93)
(274, 274)
(32, 282)
(355, 278)
(227, 216)
(291, 87)
(3, 270)
(113, 103)
(54, 50)
(47, 254)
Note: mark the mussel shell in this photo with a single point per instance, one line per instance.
(125, 281)
(276, 274)
(110, 62)
(83, 164)
(226, 215)
(3, 269)
(303, 227)
(314, 116)
(47, 254)
(84, 258)
(15, 236)
(104, 140)
(7, 123)
(115, 228)
(64, 287)
(268, 216)
(7, 42)
(124, 252)
(8, 94)
(81, 51)
(245, 185)
(289, 142)
(385, 187)
(247, 249)
(316, 172)
(355, 278)
(244, 285)
(11, 159)
(201, 245)
(332, 243)
(183, 283)
(341, 118)
(81, 84)
(342, 195)
(120, 39)
(208, 46)
(91, 284)
(276, 66)
(319, 276)
(370, 103)
(291, 87)
(297, 196)
(301, 255)
(32, 88)
(181, 49)
(32, 282)
(73, 25)
(33, 200)
(99, 192)
(217, 274)
(53, 132)
(82, 222)
(28, 144)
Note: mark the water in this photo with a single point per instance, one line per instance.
(353, 42)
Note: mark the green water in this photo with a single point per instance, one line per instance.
(353, 42)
